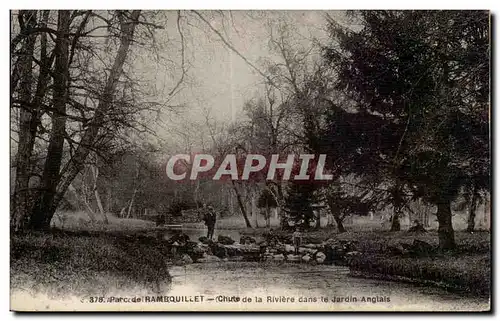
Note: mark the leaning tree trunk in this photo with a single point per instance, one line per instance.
(445, 230)
(43, 213)
(90, 211)
(77, 162)
(241, 205)
(24, 73)
(95, 175)
(131, 204)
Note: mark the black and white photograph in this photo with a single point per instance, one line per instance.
(250, 160)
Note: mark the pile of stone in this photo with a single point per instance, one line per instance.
(309, 253)
(224, 248)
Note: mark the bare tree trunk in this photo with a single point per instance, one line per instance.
(131, 204)
(425, 213)
(278, 197)
(471, 222)
(122, 212)
(196, 194)
(445, 230)
(397, 200)
(90, 211)
(84, 199)
(44, 212)
(231, 202)
(330, 219)
(256, 219)
(109, 198)
(318, 220)
(24, 148)
(486, 212)
(241, 205)
(136, 188)
(254, 211)
(95, 174)
(395, 223)
(340, 225)
(75, 165)
(336, 215)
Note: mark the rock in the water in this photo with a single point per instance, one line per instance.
(289, 248)
(203, 247)
(234, 250)
(267, 256)
(219, 250)
(306, 258)
(209, 258)
(311, 251)
(245, 239)
(320, 257)
(279, 257)
(180, 238)
(226, 240)
(263, 243)
(186, 259)
(331, 242)
(204, 239)
(293, 258)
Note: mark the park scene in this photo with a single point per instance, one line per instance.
(314, 160)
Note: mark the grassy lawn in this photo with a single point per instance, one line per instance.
(468, 268)
(61, 263)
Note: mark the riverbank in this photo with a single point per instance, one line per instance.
(465, 273)
(60, 263)
(414, 257)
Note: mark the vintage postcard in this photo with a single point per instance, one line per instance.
(194, 160)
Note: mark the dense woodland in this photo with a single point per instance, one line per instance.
(398, 100)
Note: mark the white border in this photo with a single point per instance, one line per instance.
(198, 4)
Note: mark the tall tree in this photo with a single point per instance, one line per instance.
(424, 76)
(66, 110)
(41, 218)
(23, 75)
(298, 203)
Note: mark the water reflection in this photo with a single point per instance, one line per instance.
(272, 279)
(195, 233)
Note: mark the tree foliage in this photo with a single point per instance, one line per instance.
(419, 80)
